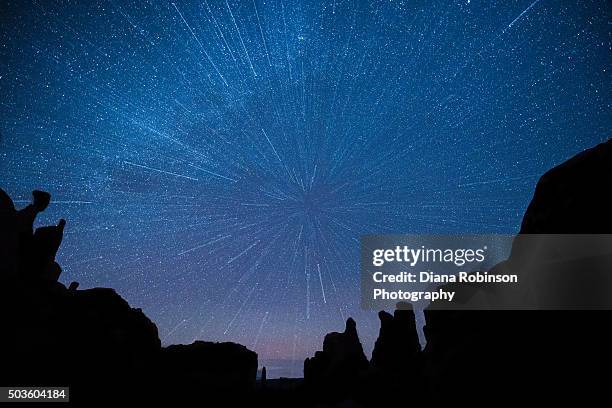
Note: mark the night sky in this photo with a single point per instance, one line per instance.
(217, 161)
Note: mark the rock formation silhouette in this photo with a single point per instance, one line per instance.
(334, 371)
(574, 197)
(204, 365)
(92, 340)
(549, 354)
(502, 356)
(397, 347)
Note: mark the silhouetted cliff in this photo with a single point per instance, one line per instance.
(550, 354)
(574, 197)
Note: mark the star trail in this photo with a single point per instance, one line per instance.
(216, 161)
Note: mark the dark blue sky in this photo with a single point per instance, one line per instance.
(217, 161)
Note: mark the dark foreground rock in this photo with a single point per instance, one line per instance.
(107, 351)
(574, 197)
(549, 355)
(92, 340)
(204, 365)
(397, 347)
(336, 370)
(505, 357)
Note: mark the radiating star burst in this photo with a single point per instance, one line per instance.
(217, 161)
